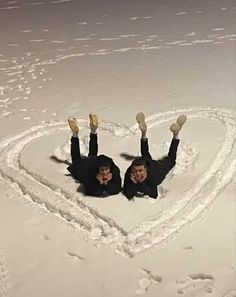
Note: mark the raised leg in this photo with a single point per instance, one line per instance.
(140, 118)
(93, 140)
(173, 149)
(93, 145)
(75, 147)
(167, 163)
(75, 150)
(145, 148)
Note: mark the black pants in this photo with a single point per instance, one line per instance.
(75, 147)
(163, 166)
(171, 154)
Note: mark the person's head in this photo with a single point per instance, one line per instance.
(138, 168)
(104, 170)
(104, 165)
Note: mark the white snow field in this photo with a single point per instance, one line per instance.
(116, 58)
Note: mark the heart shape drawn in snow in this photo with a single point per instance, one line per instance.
(102, 228)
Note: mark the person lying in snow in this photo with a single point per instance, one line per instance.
(99, 174)
(144, 174)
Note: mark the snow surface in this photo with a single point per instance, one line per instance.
(116, 58)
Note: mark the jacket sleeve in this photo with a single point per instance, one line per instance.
(149, 188)
(114, 185)
(92, 187)
(130, 188)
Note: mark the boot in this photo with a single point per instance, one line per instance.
(176, 127)
(73, 123)
(93, 122)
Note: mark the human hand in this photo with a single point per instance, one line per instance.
(132, 177)
(100, 179)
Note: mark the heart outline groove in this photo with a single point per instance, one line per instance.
(75, 210)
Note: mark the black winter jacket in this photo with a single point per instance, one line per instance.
(85, 171)
(156, 172)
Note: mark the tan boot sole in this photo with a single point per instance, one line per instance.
(140, 118)
(93, 118)
(181, 120)
(175, 128)
(73, 123)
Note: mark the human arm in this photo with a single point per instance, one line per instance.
(113, 185)
(93, 187)
(130, 186)
(148, 188)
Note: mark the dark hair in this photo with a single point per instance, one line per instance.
(104, 161)
(139, 162)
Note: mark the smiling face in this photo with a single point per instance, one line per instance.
(138, 171)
